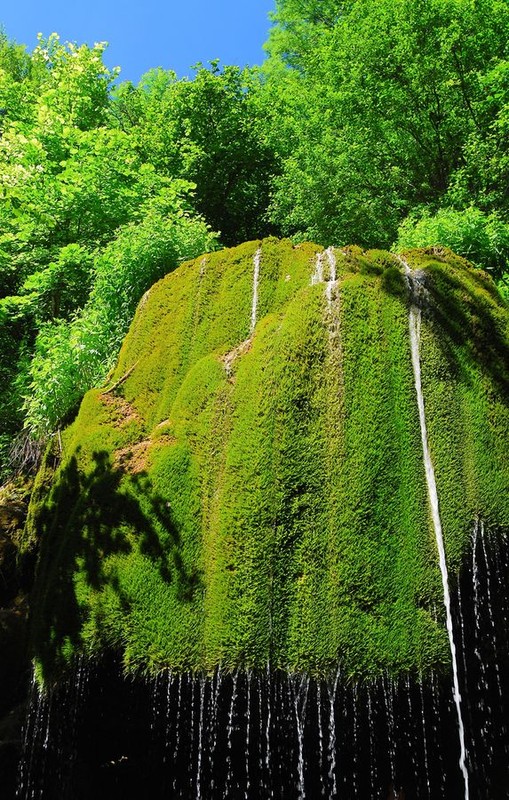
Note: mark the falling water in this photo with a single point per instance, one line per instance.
(299, 690)
(256, 276)
(332, 736)
(413, 740)
(435, 720)
(267, 727)
(373, 739)
(331, 283)
(177, 730)
(214, 704)
(415, 329)
(248, 732)
(266, 735)
(154, 701)
(230, 764)
(477, 608)
(169, 680)
(424, 738)
(387, 691)
(261, 731)
(46, 736)
(490, 612)
(31, 733)
(200, 737)
(372, 748)
(193, 719)
(355, 735)
(320, 735)
(476, 767)
(319, 273)
(317, 276)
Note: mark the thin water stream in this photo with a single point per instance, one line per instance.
(256, 278)
(415, 332)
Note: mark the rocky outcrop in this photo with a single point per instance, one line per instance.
(219, 503)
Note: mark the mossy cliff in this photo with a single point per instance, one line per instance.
(238, 496)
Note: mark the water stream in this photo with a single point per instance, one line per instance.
(256, 277)
(415, 331)
(267, 734)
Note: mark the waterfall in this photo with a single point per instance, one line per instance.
(177, 729)
(318, 275)
(264, 732)
(332, 735)
(325, 271)
(415, 330)
(256, 276)
(490, 612)
(299, 691)
(229, 358)
(299, 738)
(320, 735)
(248, 734)
(49, 732)
(331, 283)
(267, 727)
(389, 710)
(230, 730)
(424, 740)
(213, 725)
(200, 737)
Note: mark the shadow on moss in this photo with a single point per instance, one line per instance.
(466, 314)
(467, 309)
(87, 519)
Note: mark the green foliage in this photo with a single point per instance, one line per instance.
(230, 498)
(87, 223)
(208, 131)
(71, 357)
(365, 114)
(76, 91)
(236, 497)
(482, 238)
(482, 177)
(384, 105)
(20, 79)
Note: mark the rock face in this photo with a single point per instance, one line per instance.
(249, 487)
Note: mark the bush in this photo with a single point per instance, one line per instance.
(72, 357)
(481, 238)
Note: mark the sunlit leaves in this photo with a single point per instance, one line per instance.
(210, 131)
(88, 221)
(389, 103)
(72, 357)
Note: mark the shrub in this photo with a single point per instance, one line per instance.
(481, 238)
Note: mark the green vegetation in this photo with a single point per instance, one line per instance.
(482, 238)
(227, 497)
(230, 498)
(389, 108)
(377, 122)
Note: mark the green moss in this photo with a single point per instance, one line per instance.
(239, 498)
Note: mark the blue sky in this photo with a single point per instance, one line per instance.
(152, 33)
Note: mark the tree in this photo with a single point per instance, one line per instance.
(386, 99)
(72, 357)
(207, 131)
(87, 223)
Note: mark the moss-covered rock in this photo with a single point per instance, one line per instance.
(236, 497)
(16, 575)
